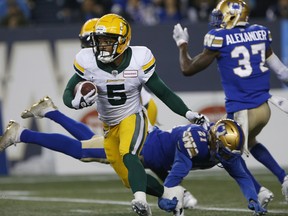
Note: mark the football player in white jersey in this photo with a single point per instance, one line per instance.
(86, 42)
(245, 58)
(120, 71)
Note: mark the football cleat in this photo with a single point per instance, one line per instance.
(39, 109)
(265, 196)
(285, 188)
(10, 136)
(179, 212)
(189, 201)
(141, 208)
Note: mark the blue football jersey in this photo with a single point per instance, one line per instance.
(244, 76)
(161, 147)
(166, 150)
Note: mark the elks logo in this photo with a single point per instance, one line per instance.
(101, 29)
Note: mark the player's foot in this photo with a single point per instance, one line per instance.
(265, 196)
(141, 208)
(189, 200)
(39, 109)
(10, 136)
(285, 188)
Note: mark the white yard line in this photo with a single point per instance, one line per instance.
(74, 200)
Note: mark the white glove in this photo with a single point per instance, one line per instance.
(197, 118)
(80, 101)
(180, 36)
(178, 192)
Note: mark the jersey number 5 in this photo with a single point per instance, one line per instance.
(242, 53)
(116, 94)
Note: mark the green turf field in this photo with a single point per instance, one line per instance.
(217, 194)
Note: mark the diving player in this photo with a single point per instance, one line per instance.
(195, 148)
(244, 57)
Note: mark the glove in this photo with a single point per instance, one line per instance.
(180, 36)
(167, 204)
(197, 118)
(80, 101)
(258, 210)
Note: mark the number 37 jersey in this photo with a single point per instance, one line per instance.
(118, 87)
(244, 77)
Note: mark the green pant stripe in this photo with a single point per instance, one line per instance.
(138, 136)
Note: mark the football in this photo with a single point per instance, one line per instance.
(87, 86)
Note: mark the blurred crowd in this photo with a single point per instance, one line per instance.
(16, 13)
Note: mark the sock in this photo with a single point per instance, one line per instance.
(154, 188)
(140, 195)
(255, 182)
(136, 173)
(77, 129)
(56, 142)
(261, 154)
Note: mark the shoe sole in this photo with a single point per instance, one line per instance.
(140, 209)
(29, 113)
(9, 127)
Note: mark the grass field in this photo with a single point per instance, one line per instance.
(217, 194)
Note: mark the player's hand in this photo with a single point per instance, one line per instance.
(258, 210)
(167, 204)
(180, 35)
(198, 118)
(80, 101)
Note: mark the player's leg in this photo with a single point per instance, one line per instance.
(14, 133)
(112, 150)
(265, 196)
(132, 134)
(46, 108)
(258, 118)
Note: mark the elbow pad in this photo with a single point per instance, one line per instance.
(274, 63)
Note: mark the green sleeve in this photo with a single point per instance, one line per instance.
(68, 94)
(165, 94)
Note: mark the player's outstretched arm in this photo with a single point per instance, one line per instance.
(190, 66)
(173, 101)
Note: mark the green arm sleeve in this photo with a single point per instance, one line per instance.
(165, 94)
(68, 94)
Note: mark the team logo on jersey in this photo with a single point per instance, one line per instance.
(130, 74)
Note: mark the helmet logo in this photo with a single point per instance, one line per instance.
(234, 8)
(221, 130)
(101, 29)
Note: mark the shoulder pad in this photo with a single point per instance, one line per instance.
(212, 40)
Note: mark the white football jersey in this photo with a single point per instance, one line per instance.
(118, 88)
